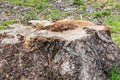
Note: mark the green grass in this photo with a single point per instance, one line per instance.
(114, 74)
(54, 14)
(116, 5)
(10, 11)
(2, 27)
(114, 23)
(101, 13)
(31, 3)
(31, 15)
(78, 2)
(4, 24)
(116, 38)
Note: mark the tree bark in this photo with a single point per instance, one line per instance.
(49, 55)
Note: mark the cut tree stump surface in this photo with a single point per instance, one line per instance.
(64, 50)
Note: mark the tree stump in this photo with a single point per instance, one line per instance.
(63, 50)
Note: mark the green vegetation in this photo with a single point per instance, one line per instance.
(30, 16)
(117, 5)
(4, 24)
(54, 14)
(101, 13)
(116, 38)
(78, 2)
(10, 11)
(38, 4)
(2, 27)
(42, 4)
(114, 23)
(114, 75)
(106, 12)
(31, 3)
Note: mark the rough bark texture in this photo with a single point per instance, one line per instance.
(55, 58)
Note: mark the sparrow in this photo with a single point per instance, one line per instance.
(97, 21)
(89, 30)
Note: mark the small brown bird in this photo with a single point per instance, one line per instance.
(20, 37)
(89, 30)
